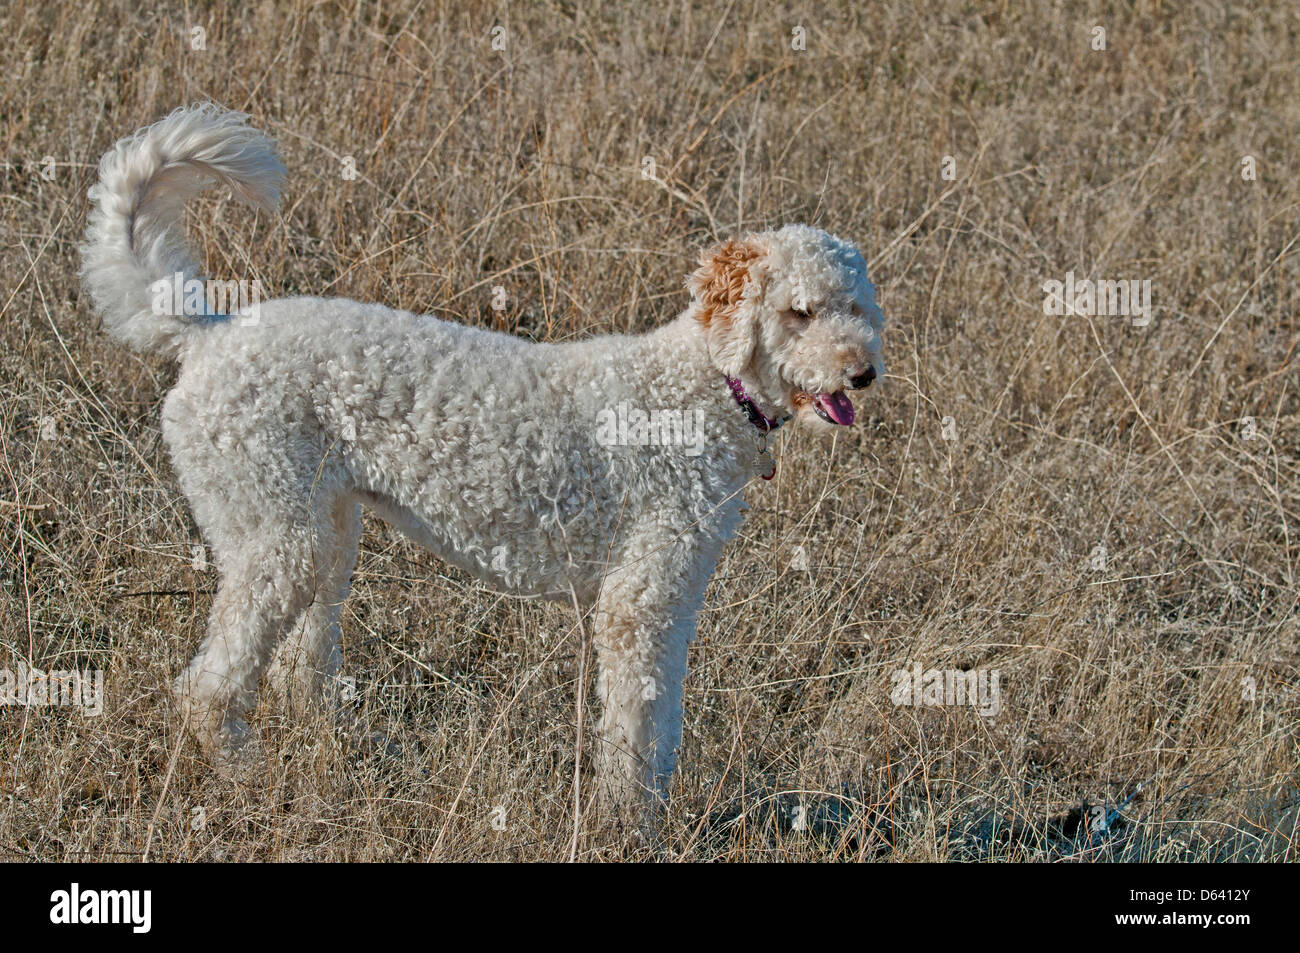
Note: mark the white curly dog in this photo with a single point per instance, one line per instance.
(607, 470)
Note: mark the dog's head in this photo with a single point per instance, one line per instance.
(792, 315)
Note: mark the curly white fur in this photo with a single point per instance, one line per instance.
(481, 446)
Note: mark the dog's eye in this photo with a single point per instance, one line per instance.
(801, 312)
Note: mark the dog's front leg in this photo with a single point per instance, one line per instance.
(644, 621)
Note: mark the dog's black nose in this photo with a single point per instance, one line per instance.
(863, 378)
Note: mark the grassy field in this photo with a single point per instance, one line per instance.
(1104, 512)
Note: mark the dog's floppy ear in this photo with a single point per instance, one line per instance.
(720, 285)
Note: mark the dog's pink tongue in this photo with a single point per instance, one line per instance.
(837, 406)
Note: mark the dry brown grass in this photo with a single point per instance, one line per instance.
(521, 169)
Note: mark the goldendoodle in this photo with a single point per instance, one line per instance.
(605, 472)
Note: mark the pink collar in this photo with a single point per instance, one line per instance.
(762, 423)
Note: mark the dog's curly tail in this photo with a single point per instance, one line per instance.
(134, 248)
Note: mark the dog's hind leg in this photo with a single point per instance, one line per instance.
(274, 541)
(268, 496)
(266, 580)
(308, 657)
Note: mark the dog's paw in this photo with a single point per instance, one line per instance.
(238, 753)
